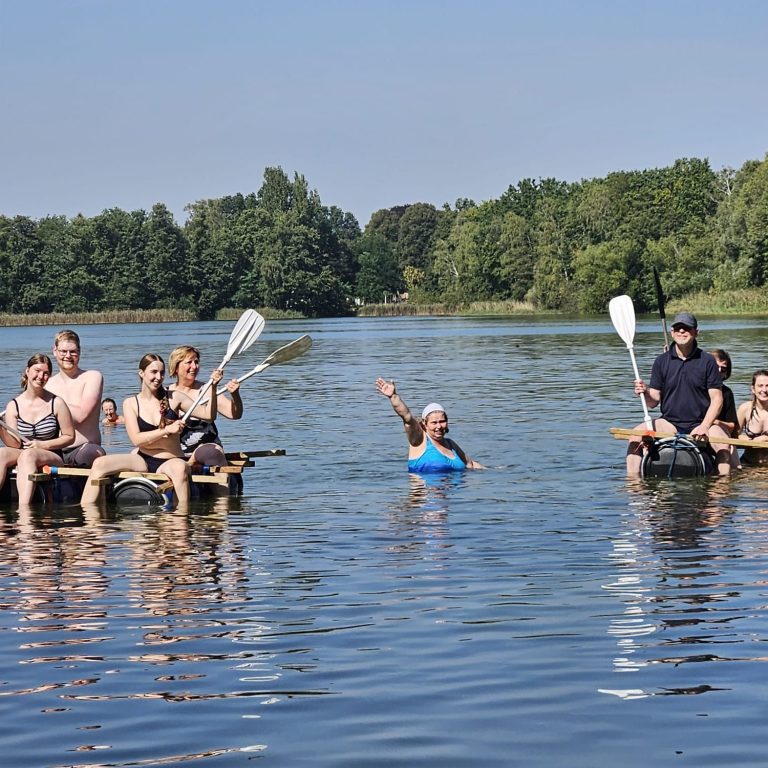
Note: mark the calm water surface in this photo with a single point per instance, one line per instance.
(546, 612)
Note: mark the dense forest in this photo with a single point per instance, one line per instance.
(555, 245)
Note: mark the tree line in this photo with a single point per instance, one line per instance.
(556, 245)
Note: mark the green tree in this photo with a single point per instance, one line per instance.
(378, 270)
(603, 271)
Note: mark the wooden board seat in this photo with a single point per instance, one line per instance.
(623, 434)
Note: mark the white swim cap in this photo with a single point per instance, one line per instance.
(431, 408)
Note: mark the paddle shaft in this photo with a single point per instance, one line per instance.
(662, 312)
(648, 420)
(11, 430)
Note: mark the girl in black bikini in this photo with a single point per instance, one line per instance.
(753, 419)
(43, 421)
(152, 420)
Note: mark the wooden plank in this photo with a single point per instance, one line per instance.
(622, 434)
(220, 478)
(205, 469)
(254, 454)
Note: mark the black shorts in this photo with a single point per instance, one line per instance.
(70, 455)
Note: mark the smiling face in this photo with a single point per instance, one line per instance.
(683, 335)
(436, 425)
(760, 388)
(188, 368)
(67, 354)
(109, 410)
(37, 375)
(152, 375)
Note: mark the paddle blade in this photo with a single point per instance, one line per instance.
(282, 355)
(659, 292)
(247, 329)
(290, 351)
(622, 313)
(257, 327)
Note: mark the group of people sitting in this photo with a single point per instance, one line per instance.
(55, 420)
(688, 385)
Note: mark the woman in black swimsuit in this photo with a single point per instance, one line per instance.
(43, 421)
(753, 419)
(153, 422)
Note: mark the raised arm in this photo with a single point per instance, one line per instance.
(412, 425)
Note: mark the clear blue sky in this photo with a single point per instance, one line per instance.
(130, 102)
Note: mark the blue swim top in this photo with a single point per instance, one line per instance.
(433, 460)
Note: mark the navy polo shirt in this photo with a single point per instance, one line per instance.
(684, 386)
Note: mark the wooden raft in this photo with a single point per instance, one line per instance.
(218, 475)
(623, 434)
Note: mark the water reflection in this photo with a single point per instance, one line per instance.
(676, 542)
(419, 523)
(82, 591)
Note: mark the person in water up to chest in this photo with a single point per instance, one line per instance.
(430, 450)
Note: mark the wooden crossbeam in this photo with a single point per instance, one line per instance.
(623, 434)
(254, 454)
(218, 478)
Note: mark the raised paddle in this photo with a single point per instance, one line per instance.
(282, 355)
(246, 331)
(660, 299)
(622, 313)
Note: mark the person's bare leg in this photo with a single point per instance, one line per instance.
(104, 466)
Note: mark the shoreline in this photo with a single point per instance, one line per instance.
(736, 304)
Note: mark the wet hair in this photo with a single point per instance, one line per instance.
(35, 360)
(66, 335)
(109, 400)
(722, 355)
(162, 393)
(178, 355)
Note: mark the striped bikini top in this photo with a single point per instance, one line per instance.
(46, 428)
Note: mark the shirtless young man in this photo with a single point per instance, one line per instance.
(81, 391)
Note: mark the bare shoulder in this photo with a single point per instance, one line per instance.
(91, 377)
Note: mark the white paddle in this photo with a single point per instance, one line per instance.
(288, 352)
(282, 355)
(246, 331)
(622, 313)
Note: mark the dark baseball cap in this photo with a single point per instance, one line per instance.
(686, 319)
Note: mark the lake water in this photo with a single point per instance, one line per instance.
(545, 612)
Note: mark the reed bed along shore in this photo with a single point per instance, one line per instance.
(131, 316)
(750, 301)
(406, 309)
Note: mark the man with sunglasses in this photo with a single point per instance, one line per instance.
(81, 391)
(686, 382)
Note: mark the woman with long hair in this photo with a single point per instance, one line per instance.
(753, 419)
(153, 423)
(40, 426)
